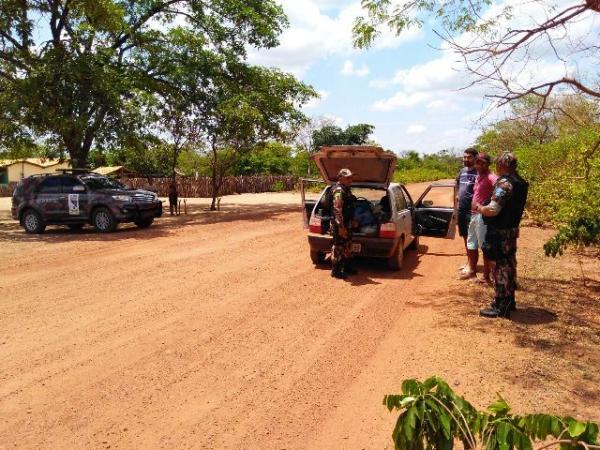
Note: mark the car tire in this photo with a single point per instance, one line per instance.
(75, 226)
(414, 245)
(317, 257)
(103, 220)
(144, 223)
(32, 221)
(397, 260)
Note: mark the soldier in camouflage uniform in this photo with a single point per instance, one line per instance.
(503, 216)
(343, 214)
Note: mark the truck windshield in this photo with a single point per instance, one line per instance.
(95, 183)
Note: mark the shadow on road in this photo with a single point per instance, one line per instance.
(11, 231)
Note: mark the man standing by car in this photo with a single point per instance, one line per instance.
(503, 216)
(343, 214)
(482, 192)
(465, 181)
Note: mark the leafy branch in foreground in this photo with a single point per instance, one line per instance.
(434, 417)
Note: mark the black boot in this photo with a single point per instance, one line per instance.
(500, 307)
(350, 268)
(337, 271)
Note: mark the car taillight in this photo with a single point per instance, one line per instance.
(314, 225)
(387, 230)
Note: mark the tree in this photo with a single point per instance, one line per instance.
(98, 64)
(433, 416)
(245, 106)
(334, 135)
(493, 51)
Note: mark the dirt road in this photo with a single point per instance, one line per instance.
(213, 330)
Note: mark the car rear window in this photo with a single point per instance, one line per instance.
(50, 186)
(95, 183)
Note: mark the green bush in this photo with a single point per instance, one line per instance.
(278, 186)
(433, 417)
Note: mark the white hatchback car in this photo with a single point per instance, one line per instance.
(389, 222)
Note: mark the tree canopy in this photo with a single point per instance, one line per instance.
(497, 49)
(74, 73)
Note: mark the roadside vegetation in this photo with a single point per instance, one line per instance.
(433, 416)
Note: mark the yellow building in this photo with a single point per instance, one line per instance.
(13, 170)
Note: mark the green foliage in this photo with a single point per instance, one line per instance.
(334, 135)
(278, 186)
(559, 154)
(413, 168)
(273, 158)
(453, 15)
(433, 417)
(103, 67)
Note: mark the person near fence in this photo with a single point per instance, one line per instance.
(503, 217)
(343, 216)
(173, 197)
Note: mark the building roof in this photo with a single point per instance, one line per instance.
(107, 170)
(40, 162)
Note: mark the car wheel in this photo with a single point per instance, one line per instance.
(397, 260)
(144, 223)
(317, 257)
(75, 226)
(414, 245)
(103, 220)
(32, 222)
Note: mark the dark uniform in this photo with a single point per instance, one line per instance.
(510, 192)
(343, 213)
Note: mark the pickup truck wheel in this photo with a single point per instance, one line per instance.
(414, 245)
(32, 222)
(317, 257)
(397, 260)
(144, 223)
(103, 220)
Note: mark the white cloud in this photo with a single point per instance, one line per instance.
(314, 102)
(379, 83)
(313, 35)
(349, 70)
(416, 129)
(401, 100)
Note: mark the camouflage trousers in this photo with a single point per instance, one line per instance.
(341, 249)
(501, 248)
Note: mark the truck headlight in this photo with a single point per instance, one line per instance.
(122, 198)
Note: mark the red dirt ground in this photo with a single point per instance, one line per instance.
(214, 330)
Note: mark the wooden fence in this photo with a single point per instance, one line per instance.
(6, 190)
(201, 187)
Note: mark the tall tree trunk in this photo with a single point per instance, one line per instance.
(214, 175)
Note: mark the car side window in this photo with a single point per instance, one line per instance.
(50, 186)
(400, 200)
(68, 184)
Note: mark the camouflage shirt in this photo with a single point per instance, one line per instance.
(342, 207)
(501, 193)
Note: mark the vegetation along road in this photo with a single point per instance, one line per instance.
(214, 330)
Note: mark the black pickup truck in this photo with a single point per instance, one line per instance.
(76, 199)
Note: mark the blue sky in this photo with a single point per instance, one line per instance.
(405, 86)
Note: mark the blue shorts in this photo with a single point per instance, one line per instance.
(477, 231)
(463, 218)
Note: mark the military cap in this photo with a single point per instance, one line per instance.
(344, 173)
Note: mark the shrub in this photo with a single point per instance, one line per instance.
(433, 417)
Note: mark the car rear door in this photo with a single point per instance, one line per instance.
(310, 191)
(435, 211)
(48, 199)
(76, 199)
(403, 214)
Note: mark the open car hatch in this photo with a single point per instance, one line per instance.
(369, 164)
